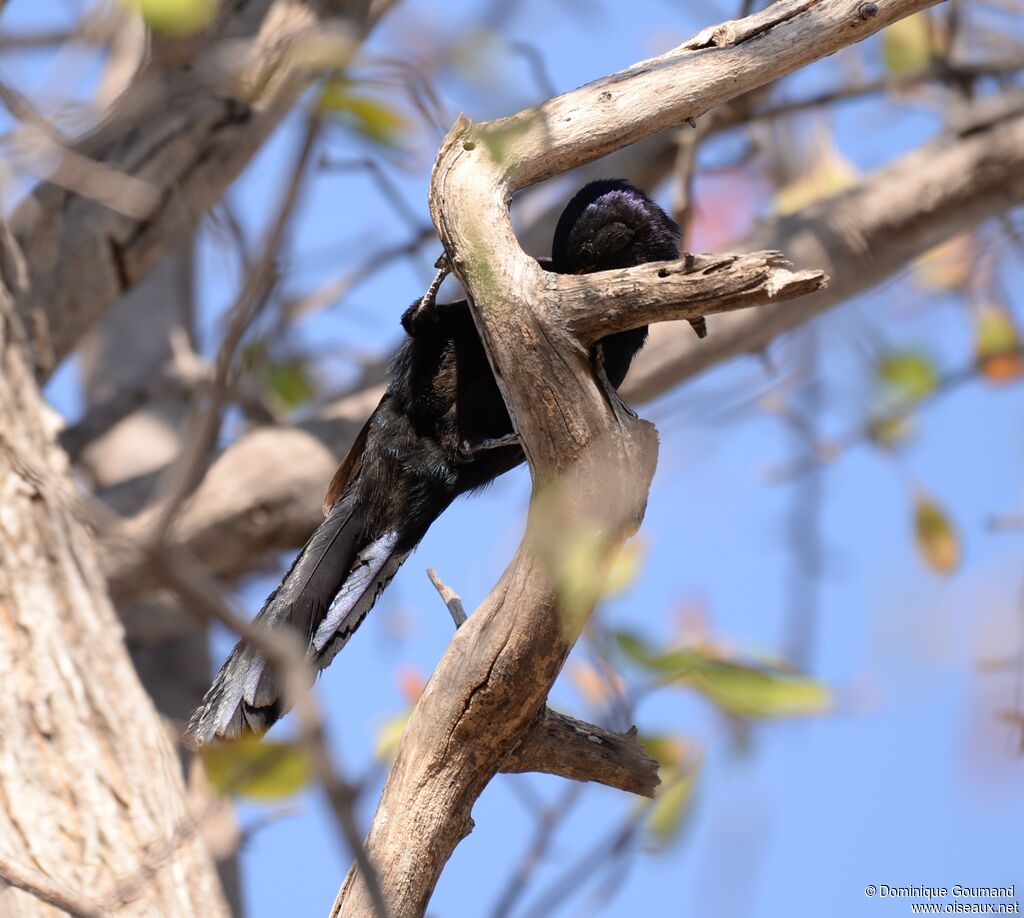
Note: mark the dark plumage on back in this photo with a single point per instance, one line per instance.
(440, 430)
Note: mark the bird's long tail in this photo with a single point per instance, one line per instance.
(340, 561)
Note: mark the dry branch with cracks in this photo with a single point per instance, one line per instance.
(591, 460)
(248, 507)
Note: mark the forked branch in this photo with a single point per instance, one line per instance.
(591, 462)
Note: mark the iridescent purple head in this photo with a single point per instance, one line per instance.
(610, 224)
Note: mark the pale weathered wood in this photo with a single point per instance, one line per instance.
(919, 200)
(89, 782)
(715, 66)
(594, 305)
(567, 747)
(186, 128)
(861, 237)
(591, 461)
(570, 748)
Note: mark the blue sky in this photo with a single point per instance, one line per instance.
(912, 780)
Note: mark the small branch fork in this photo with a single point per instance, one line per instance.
(485, 705)
(561, 745)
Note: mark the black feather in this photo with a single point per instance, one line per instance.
(429, 440)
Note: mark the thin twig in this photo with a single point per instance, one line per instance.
(185, 474)
(548, 821)
(43, 888)
(450, 597)
(336, 289)
(889, 84)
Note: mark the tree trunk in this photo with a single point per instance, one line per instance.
(91, 795)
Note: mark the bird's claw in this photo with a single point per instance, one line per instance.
(473, 448)
(415, 317)
(429, 298)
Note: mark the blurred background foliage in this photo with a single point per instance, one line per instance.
(819, 631)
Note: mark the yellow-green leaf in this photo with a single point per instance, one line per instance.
(949, 266)
(749, 690)
(672, 664)
(827, 173)
(287, 384)
(889, 430)
(670, 751)
(634, 647)
(498, 139)
(937, 539)
(176, 18)
(260, 769)
(909, 376)
(581, 573)
(626, 567)
(743, 689)
(672, 805)
(389, 736)
(997, 345)
(362, 113)
(906, 45)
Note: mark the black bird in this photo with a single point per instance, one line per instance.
(440, 430)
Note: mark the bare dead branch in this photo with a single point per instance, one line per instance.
(861, 237)
(249, 506)
(570, 748)
(595, 305)
(591, 463)
(450, 598)
(719, 64)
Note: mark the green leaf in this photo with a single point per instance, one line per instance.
(672, 664)
(937, 539)
(633, 646)
(670, 751)
(889, 430)
(176, 18)
(750, 690)
(626, 567)
(906, 45)
(909, 376)
(389, 736)
(287, 383)
(669, 812)
(743, 689)
(361, 113)
(259, 769)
